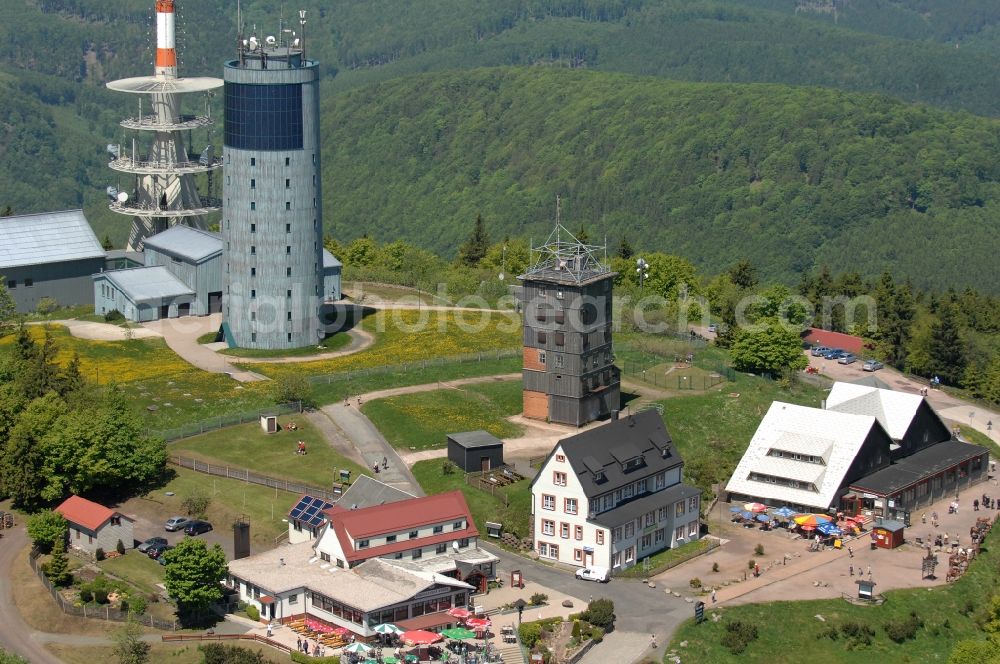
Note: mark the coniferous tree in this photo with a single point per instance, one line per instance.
(474, 249)
(743, 275)
(582, 235)
(946, 349)
(106, 243)
(625, 249)
(7, 212)
(58, 566)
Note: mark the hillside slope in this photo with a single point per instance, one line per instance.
(788, 177)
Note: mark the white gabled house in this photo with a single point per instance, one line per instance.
(613, 495)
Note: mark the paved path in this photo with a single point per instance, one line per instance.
(100, 331)
(360, 340)
(181, 335)
(372, 446)
(15, 635)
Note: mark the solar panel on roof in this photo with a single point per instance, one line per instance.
(309, 511)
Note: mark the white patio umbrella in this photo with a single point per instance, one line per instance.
(357, 648)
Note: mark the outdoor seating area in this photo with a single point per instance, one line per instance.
(325, 635)
(960, 557)
(821, 530)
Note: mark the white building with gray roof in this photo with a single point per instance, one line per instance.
(51, 254)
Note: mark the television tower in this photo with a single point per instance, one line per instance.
(161, 170)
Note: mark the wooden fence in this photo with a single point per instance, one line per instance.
(171, 638)
(246, 475)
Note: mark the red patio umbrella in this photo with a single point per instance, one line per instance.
(343, 631)
(459, 613)
(420, 637)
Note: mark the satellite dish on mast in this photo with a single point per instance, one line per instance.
(270, 40)
(254, 43)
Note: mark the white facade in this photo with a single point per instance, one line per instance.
(614, 530)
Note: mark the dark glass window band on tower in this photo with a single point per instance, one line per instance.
(264, 117)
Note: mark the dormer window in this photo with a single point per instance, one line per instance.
(633, 463)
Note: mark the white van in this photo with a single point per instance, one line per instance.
(599, 574)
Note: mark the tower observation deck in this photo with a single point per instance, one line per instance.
(158, 171)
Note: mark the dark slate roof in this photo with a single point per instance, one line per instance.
(368, 492)
(473, 439)
(917, 467)
(630, 511)
(642, 434)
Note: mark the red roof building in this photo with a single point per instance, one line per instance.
(93, 526)
(848, 342)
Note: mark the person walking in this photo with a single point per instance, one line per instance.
(851, 569)
(713, 596)
(850, 552)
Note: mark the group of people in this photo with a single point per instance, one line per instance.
(384, 466)
(987, 503)
(317, 650)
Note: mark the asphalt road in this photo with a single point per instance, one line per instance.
(638, 608)
(15, 635)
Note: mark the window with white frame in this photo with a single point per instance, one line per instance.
(662, 514)
(679, 508)
(661, 480)
(679, 532)
(630, 554)
(548, 527)
(658, 536)
(570, 506)
(558, 478)
(647, 541)
(578, 555)
(548, 502)
(693, 529)
(564, 530)
(600, 537)
(553, 550)
(543, 549)
(578, 532)
(561, 458)
(640, 487)
(627, 491)
(693, 504)
(616, 559)
(616, 534)
(650, 517)
(629, 529)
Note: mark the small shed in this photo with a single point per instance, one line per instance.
(889, 534)
(93, 526)
(269, 423)
(475, 451)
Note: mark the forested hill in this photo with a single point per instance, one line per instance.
(787, 177)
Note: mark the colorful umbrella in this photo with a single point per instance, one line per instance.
(785, 512)
(458, 633)
(387, 628)
(411, 658)
(746, 515)
(808, 528)
(763, 517)
(459, 613)
(389, 659)
(420, 637)
(357, 648)
(755, 507)
(811, 519)
(736, 508)
(829, 529)
(478, 623)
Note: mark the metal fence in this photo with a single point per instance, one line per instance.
(99, 612)
(246, 475)
(223, 421)
(644, 568)
(420, 365)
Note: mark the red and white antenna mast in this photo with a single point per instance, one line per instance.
(166, 45)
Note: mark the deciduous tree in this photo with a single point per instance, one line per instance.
(192, 575)
(768, 346)
(45, 528)
(130, 648)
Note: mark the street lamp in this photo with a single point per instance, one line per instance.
(503, 262)
(642, 269)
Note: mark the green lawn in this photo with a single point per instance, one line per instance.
(136, 568)
(666, 559)
(977, 438)
(712, 429)
(422, 420)
(415, 374)
(949, 614)
(247, 446)
(515, 515)
(332, 343)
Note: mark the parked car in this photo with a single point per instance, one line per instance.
(176, 523)
(599, 574)
(833, 354)
(848, 358)
(713, 328)
(871, 365)
(151, 542)
(819, 351)
(197, 527)
(156, 551)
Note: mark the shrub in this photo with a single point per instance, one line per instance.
(715, 567)
(447, 468)
(695, 582)
(120, 547)
(738, 636)
(196, 504)
(99, 554)
(114, 316)
(577, 633)
(137, 604)
(601, 612)
(217, 653)
(101, 595)
(595, 634)
(530, 634)
(906, 628)
(86, 596)
(758, 550)
(308, 659)
(252, 612)
(857, 634)
(828, 632)
(537, 599)
(46, 306)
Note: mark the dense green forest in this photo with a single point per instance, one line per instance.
(925, 217)
(786, 177)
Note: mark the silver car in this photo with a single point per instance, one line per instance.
(872, 365)
(848, 358)
(176, 523)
